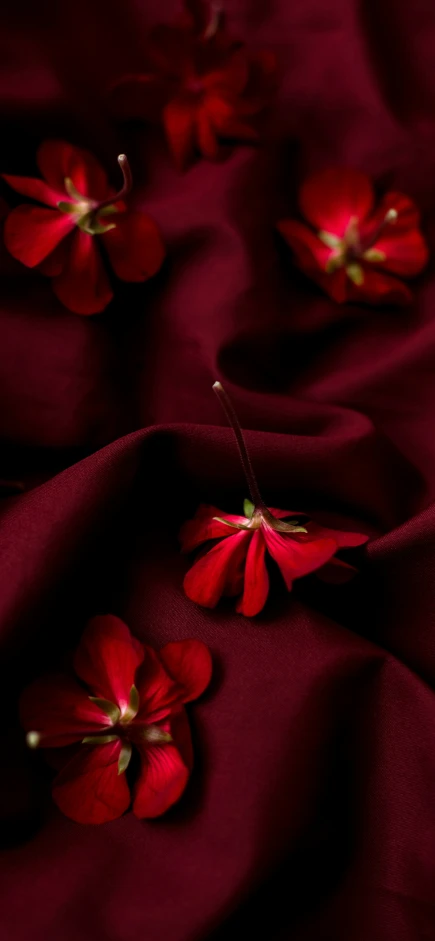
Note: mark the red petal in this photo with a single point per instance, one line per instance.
(256, 585)
(162, 780)
(336, 572)
(296, 559)
(378, 288)
(205, 581)
(83, 285)
(135, 247)
(203, 527)
(402, 242)
(57, 708)
(343, 540)
(54, 263)
(310, 251)
(190, 665)
(158, 692)
(312, 256)
(179, 121)
(89, 788)
(406, 253)
(107, 659)
(235, 130)
(235, 577)
(224, 119)
(282, 514)
(36, 189)
(31, 233)
(58, 160)
(330, 198)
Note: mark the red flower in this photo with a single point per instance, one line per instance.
(63, 240)
(236, 565)
(354, 243)
(200, 83)
(129, 697)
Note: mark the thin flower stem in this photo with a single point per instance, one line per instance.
(229, 410)
(390, 218)
(126, 186)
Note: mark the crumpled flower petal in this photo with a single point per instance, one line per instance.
(256, 578)
(205, 582)
(330, 199)
(378, 287)
(58, 160)
(89, 789)
(342, 538)
(158, 691)
(57, 708)
(179, 124)
(204, 527)
(107, 659)
(36, 189)
(189, 664)
(296, 559)
(135, 246)
(83, 285)
(32, 233)
(162, 780)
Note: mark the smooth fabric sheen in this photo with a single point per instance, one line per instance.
(310, 814)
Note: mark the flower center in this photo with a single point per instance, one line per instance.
(121, 726)
(349, 251)
(86, 212)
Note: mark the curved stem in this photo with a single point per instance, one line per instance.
(389, 219)
(126, 186)
(229, 410)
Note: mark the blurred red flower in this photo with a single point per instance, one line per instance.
(202, 84)
(62, 241)
(356, 249)
(127, 697)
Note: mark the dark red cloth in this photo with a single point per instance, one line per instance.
(310, 815)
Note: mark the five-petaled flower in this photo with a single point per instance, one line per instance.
(62, 241)
(236, 564)
(127, 696)
(358, 252)
(202, 84)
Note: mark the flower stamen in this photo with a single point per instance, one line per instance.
(349, 250)
(87, 211)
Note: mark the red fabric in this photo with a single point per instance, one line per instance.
(310, 813)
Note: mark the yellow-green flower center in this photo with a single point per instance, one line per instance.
(351, 250)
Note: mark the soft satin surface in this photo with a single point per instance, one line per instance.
(310, 815)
